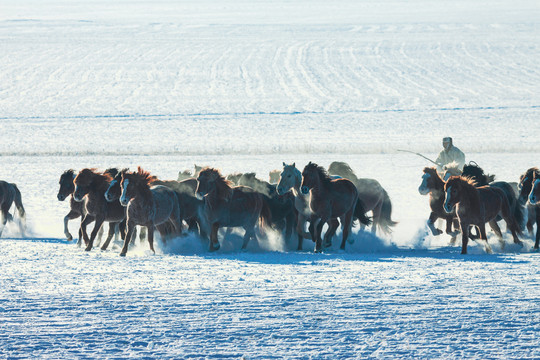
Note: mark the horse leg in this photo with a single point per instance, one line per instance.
(70, 216)
(289, 224)
(130, 226)
(431, 224)
(497, 230)
(82, 230)
(347, 223)
(483, 236)
(333, 225)
(537, 242)
(100, 234)
(376, 218)
(300, 224)
(464, 237)
(150, 228)
(317, 234)
(112, 230)
(4, 215)
(97, 227)
(250, 233)
(214, 243)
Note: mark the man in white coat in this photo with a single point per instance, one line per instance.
(449, 154)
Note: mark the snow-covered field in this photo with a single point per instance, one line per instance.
(244, 86)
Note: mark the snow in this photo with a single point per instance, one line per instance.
(245, 86)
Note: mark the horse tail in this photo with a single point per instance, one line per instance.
(360, 213)
(18, 202)
(385, 220)
(265, 217)
(516, 208)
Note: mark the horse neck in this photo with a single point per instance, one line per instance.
(469, 197)
(143, 195)
(319, 190)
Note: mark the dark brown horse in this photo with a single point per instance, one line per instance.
(148, 205)
(478, 206)
(329, 199)
(228, 206)
(91, 184)
(371, 193)
(525, 187)
(9, 194)
(433, 185)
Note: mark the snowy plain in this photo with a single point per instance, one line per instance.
(244, 86)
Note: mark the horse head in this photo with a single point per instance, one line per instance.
(83, 182)
(526, 183)
(133, 182)
(210, 180)
(451, 169)
(534, 196)
(430, 181)
(66, 185)
(273, 176)
(312, 176)
(452, 190)
(115, 190)
(288, 178)
(342, 169)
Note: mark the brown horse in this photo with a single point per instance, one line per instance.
(148, 205)
(373, 196)
(433, 185)
(525, 187)
(91, 184)
(228, 206)
(478, 206)
(329, 199)
(9, 194)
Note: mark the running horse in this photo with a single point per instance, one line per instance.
(148, 205)
(91, 184)
(373, 196)
(433, 185)
(329, 199)
(9, 194)
(477, 206)
(229, 206)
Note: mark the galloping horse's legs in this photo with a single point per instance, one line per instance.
(497, 230)
(333, 224)
(376, 217)
(347, 222)
(300, 223)
(449, 231)
(99, 221)
(431, 224)
(318, 235)
(214, 243)
(70, 216)
(82, 230)
(537, 242)
(112, 228)
(289, 224)
(122, 229)
(5, 216)
(250, 233)
(150, 228)
(483, 236)
(464, 236)
(130, 226)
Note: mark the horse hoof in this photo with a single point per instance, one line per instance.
(123, 254)
(87, 248)
(214, 248)
(437, 232)
(318, 251)
(327, 244)
(103, 248)
(69, 238)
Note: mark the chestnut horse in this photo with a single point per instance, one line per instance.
(329, 199)
(9, 194)
(525, 186)
(77, 209)
(148, 205)
(373, 196)
(92, 184)
(228, 206)
(433, 185)
(478, 206)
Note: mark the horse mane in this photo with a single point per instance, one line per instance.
(431, 171)
(323, 174)
(144, 176)
(463, 180)
(474, 171)
(69, 172)
(224, 187)
(534, 171)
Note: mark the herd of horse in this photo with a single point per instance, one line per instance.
(205, 201)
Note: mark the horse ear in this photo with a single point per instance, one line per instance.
(294, 165)
(284, 164)
(309, 163)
